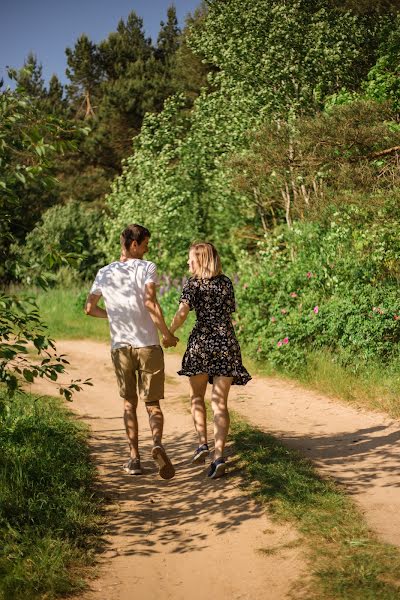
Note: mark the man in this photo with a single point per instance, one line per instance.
(128, 287)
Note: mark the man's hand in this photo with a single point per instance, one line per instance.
(170, 340)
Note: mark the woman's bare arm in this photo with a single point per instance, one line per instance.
(180, 317)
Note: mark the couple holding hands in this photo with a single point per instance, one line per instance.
(128, 288)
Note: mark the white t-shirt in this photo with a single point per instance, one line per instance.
(122, 285)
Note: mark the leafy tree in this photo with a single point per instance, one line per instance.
(368, 7)
(292, 54)
(293, 170)
(382, 82)
(190, 71)
(29, 142)
(71, 231)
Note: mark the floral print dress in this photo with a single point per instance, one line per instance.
(212, 346)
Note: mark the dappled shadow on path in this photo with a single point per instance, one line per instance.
(358, 459)
(173, 516)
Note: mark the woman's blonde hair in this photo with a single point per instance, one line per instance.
(208, 262)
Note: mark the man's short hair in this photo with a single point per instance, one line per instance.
(134, 233)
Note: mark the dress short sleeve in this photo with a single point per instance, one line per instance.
(188, 294)
(231, 303)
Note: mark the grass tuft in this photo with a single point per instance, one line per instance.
(49, 514)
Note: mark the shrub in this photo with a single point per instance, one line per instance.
(332, 284)
(72, 231)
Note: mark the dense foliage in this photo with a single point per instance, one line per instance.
(289, 163)
(268, 127)
(29, 142)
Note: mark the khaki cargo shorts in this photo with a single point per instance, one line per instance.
(139, 369)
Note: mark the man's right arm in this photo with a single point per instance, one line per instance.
(92, 309)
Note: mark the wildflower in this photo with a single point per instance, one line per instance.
(245, 286)
(273, 320)
(285, 340)
(396, 317)
(234, 323)
(309, 275)
(293, 295)
(316, 310)
(283, 311)
(279, 344)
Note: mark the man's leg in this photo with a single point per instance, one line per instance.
(151, 388)
(125, 365)
(131, 426)
(219, 405)
(198, 386)
(156, 420)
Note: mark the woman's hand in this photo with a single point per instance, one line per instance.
(170, 340)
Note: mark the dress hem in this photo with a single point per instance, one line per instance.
(237, 379)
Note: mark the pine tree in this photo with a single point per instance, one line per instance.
(124, 47)
(54, 101)
(168, 38)
(30, 77)
(84, 73)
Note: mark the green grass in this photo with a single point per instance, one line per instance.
(376, 387)
(62, 311)
(49, 514)
(348, 562)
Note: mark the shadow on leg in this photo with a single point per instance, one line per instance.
(198, 386)
(131, 426)
(219, 405)
(156, 420)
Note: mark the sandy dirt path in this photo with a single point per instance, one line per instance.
(358, 448)
(184, 538)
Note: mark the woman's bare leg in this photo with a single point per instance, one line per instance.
(198, 386)
(219, 405)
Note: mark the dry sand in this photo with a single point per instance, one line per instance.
(187, 538)
(192, 538)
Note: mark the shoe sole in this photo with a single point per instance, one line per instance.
(200, 458)
(133, 471)
(219, 471)
(165, 467)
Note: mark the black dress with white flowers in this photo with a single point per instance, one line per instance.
(212, 346)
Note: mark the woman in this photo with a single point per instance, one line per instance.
(213, 352)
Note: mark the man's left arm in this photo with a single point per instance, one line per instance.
(157, 316)
(92, 309)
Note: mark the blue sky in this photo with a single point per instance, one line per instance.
(47, 27)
